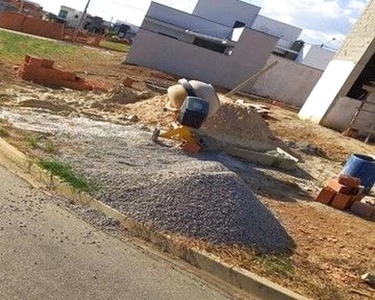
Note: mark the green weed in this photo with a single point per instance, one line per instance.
(67, 173)
(114, 46)
(4, 120)
(14, 47)
(278, 265)
(3, 132)
(34, 140)
(50, 147)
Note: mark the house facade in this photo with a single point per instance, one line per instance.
(315, 56)
(210, 45)
(348, 82)
(225, 42)
(70, 15)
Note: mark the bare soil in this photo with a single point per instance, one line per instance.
(332, 248)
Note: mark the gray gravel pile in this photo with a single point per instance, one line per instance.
(196, 196)
(179, 193)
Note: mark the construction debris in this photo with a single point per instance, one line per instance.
(263, 110)
(308, 148)
(41, 71)
(132, 118)
(134, 84)
(128, 82)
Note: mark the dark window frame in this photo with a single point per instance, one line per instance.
(220, 48)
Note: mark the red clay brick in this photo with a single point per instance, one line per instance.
(128, 82)
(350, 181)
(41, 71)
(340, 188)
(326, 196)
(341, 201)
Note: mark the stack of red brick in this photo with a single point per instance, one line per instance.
(41, 71)
(341, 192)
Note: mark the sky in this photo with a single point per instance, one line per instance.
(322, 20)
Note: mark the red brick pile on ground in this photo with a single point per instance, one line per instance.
(41, 71)
(341, 192)
(94, 40)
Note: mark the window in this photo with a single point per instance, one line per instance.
(76, 16)
(210, 45)
(239, 24)
(63, 14)
(165, 34)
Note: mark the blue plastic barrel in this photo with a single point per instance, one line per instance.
(362, 167)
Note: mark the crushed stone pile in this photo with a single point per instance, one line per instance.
(124, 95)
(198, 197)
(212, 206)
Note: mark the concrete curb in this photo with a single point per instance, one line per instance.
(257, 286)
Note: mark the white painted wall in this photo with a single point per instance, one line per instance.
(287, 34)
(73, 16)
(325, 92)
(288, 82)
(187, 60)
(227, 12)
(281, 30)
(187, 21)
(316, 57)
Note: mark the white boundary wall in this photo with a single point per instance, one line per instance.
(288, 82)
(176, 57)
(227, 12)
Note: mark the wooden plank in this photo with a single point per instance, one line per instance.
(368, 102)
(368, 111)
(252, 79)
(369, 88)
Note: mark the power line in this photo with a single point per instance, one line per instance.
(129, 6)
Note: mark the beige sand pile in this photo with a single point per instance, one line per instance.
(124, 95)
(152, 111)
(239, 126)
(232, 124)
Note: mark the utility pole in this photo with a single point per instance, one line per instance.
(326, 43)
(21, 6)
(81, 20)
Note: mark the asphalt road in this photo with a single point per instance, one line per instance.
(48, 252)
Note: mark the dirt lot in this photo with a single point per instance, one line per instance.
(332, 249)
